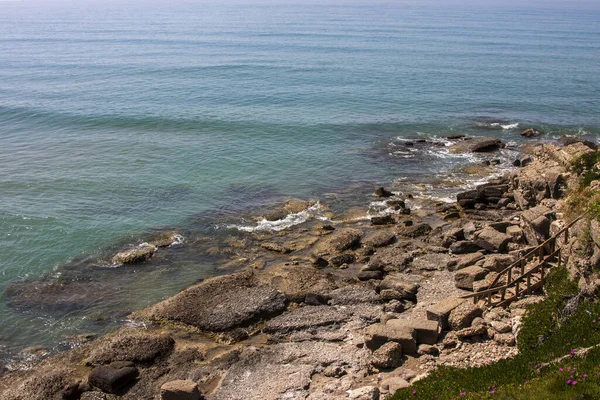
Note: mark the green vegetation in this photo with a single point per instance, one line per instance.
(587, 167)
(546, 336)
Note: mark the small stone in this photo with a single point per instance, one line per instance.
(334, 371)
(428, 349)
(180, 390)
(382, 192)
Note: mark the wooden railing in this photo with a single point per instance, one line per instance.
(526, 281)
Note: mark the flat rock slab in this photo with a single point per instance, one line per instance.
(306, 317)
(440, 311)
(296, 281)
(427, 331)
(220, 304)
(137, 347)
(465, 277)
(353, 294)
(180, 390)
(378, 334)
(476, 145)
(390, 259)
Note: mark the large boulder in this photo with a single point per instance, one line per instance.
(462, 316)
(408, 290)
(112, 378)
(426, 331)
(377, 335)
(390, 259)
(296, 281)
(139, 347)
(440, 312)
(387, 356)
(476, 145)
(220, 304)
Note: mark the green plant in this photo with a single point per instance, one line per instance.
(586, 166)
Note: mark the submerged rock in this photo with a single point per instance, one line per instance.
(476, 145)
(136, 255)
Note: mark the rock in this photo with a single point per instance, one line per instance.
(476, 145)
(498, 262)
(166, 239)
(415, 230)
(297, 281)
(390, 259)
(316, 299)
(426, 331)
(338, 261)
(492, 240)
(97, 396)
(428, 349)
(379, 238)
(136, 255)
(464, 278)
(522, 161)
(180, 390)
(480, 330)
(368, 275)
(383, 220)
(394, 383)
(343, 239)
(364, 393)
(220, 304)
(453, 235)
(396, 283)
(305, 318)
(515, 233)
(501, 327)
(277, 248)
(468, 259)
(353, 294)
(464, 247)
(377, 335)
(382, 192)
(441, 311)
(112, 380)
(387, 356)
(504, 339)
(530, 132)
(138, 347)
(462, 316)
(433, 262)
(334, 371)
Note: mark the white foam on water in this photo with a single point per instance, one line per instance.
(510, 126)
(290, 220)
(179, 240)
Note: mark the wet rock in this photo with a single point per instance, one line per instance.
(364, 393)
(275, 247)
(464, 247)
(415, 231)
(492, 240)
(382, 192)
(305, 318)
(383, 220)
(379, 238)
(136, 255)
(166, 239)
(136, 347)
(180, 390)
(465, 277)
(463, 315)
(531, 132)
(353, 294)
(111, 379)
(390, 259)
(441, 311)
(387, 356)
(476, 145)
(220, 304)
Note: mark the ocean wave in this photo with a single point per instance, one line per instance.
(264, 225)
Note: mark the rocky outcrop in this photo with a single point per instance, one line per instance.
(134, 347)
(476, 145)
(135, 255)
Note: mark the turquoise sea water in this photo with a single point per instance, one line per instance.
(117, 120)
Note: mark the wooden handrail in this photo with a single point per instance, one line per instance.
(521, 262)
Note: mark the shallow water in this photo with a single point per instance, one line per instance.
(118, 120)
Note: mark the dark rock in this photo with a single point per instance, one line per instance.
(455, 137)
(337, 261)
(135, 347)
(368, 275)
(305, 318)
(112, 380)
(522, 161)
(166, 239)
(415, 230)
(464, 247)
(531, 132)
(319, 262)
(569, 140)
(476, 145)
(221, 303)
(396, 204)
(383, 220)
(382, 192)
(316, 299)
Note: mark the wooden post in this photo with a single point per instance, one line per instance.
(517, 289)
(509, 278)
(522, 266)
(542, 275)
(503, 294)
(489, 298)
(528, 284)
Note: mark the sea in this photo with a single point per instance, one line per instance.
(120, 120)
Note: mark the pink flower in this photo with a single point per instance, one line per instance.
(573, 351)
(463, 394)
(492, 392)
(574, 383)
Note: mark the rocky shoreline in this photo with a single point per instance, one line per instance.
(350, 309)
